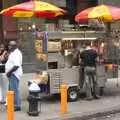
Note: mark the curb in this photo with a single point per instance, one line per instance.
(94, 115)
(88, 116)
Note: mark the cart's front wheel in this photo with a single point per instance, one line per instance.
(72, 94)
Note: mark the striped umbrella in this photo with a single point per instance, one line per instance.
(105, 13)
(33, 9)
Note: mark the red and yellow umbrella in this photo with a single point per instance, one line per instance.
(33, 8)
(105, 13)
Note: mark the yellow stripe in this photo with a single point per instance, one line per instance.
(23, 14)
(43, 6)
(101, 12)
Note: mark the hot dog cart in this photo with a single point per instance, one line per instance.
(56, 53)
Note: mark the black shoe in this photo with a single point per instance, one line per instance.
(89, 98)
(96, 96)
(17, 108)
(2, 102)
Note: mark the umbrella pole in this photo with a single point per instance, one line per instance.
(108, 32)
(108, 29)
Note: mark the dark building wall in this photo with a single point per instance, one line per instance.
(83, 4)
(9, 23)
(20, 1)
(110, 2)
(1, 25)
(60, 3)
(71, 7)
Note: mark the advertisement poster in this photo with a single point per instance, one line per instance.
(41, 46)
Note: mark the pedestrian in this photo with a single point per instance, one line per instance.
(88, 59)
(3, 78)
(14, 72)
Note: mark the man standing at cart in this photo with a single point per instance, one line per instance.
(88, 59)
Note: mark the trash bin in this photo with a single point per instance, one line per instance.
(33, 99)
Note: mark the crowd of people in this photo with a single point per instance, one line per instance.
(10, 72)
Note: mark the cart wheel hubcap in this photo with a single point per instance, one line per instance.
(73, 95)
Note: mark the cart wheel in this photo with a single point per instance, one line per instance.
(72, 94)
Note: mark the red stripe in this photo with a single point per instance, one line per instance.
(82, 16)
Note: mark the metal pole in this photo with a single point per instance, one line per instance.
(63, 89)
(10, 107)
(108, 33)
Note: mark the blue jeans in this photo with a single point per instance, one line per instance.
(14, 86)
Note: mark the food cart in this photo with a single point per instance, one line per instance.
(56, 54)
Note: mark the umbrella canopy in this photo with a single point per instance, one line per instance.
(105, 13)
(33, 8)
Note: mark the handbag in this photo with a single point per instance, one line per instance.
(2, 68)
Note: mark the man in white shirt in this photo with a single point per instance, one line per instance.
(14, 72)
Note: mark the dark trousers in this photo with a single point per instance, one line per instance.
(91, 81)
(82, 78)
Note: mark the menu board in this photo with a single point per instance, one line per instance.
(54, 46)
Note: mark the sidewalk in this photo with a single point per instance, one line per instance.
(51, 107)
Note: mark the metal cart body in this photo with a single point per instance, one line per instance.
(59, 66)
